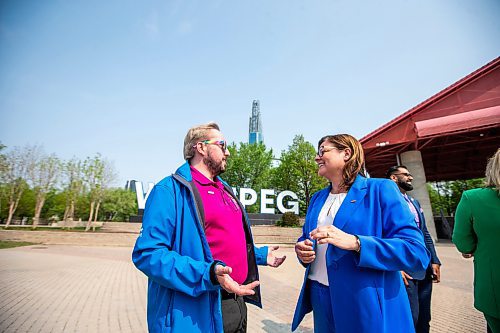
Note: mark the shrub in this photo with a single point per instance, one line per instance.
(289, 219)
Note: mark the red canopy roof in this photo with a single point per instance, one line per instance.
(456, 130)
(459, 123)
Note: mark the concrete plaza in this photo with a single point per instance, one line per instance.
(89, 288)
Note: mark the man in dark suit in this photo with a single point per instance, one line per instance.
(418, 284)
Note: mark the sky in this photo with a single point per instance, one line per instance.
(128, 78)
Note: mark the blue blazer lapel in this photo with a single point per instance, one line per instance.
(316, 209)
(353, 199)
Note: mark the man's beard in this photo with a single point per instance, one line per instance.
(216, 168)
(405, 186)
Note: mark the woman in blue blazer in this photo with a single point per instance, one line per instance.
(358, 235)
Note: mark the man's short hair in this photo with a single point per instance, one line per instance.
(393, 169)
(195, 135)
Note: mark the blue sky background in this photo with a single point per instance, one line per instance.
(128, 78)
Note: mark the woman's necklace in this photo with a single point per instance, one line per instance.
(337, 199)
(335, 196)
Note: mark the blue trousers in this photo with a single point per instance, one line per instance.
(419, 295)
(322, 307)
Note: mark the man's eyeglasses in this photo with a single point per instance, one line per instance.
(325, 149)
(407, 174)
(221, 143)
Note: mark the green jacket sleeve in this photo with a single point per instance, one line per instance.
(464, 237)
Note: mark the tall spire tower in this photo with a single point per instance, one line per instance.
(255, 125)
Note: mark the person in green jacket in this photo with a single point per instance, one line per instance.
(476, 233)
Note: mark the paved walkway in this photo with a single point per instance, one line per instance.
(65, 288)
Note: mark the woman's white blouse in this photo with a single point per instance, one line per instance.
(326, 216)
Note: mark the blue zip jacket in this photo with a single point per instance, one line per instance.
(173, 252)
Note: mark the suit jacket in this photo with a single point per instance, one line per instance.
(429, 244)
(477, 230)
(366, 290)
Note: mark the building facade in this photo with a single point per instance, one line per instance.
(255, 125)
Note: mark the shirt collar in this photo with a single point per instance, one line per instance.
(407, 198)
(202, 179)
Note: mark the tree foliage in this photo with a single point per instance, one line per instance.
(43, 176)
(99, 173)
(16, 170)
(30, 187)
(3, 159)
(249, 166)
(298, 172)
(73, 184)
(446, 195)
(119, 204)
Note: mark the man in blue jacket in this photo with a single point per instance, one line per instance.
(418, 284)
(196, 245)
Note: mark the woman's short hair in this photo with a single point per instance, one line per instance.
(195, 135)
(493, 172)
(355, 164)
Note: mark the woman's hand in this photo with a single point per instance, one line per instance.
(333, 235)
(305, 252)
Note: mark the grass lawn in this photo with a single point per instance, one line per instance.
(9, 244)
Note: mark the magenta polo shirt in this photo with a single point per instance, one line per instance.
(223, 225)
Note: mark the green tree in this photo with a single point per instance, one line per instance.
(3, 159)
(14, 176)
(82, 206)
(445, 195)
(298, 172)
(55, 204)
(26, 206)
(99, 173)
(119, 204)
(249, 166)
(73, 183)
(43, 177)
(437, 203)
(3, 189)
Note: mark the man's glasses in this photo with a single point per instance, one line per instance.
(325, 149)
(221, 143)
(407, 174)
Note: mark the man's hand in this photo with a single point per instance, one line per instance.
(272, 260)
(436, 271)
(305, 251)
(406, 277)
(231, 286)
